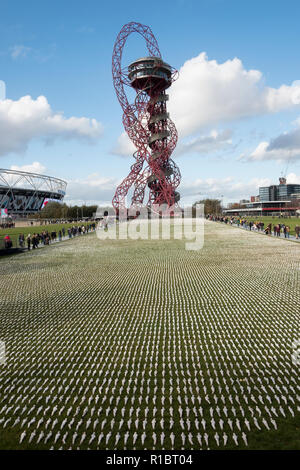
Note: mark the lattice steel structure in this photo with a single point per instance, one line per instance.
(147, 123)
(24, 193)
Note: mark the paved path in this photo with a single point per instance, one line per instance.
(282, 237)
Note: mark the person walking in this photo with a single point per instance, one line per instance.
(7, 242)
(21, 240)
(28, 240)
(43, 237)
(287, 230)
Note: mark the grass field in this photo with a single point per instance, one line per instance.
(292, 222)
(144, 345)
(15, 232)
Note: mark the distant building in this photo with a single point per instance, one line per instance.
(279, 192)
(261, 208)
(276, 200)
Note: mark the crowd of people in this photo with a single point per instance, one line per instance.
(275, 229)
(4, 225)
(32, 241)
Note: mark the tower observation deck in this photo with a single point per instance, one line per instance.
(150, 73)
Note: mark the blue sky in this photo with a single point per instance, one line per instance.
(238, 129)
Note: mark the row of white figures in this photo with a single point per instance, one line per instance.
(176, 363)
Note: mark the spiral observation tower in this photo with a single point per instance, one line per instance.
(147, 124)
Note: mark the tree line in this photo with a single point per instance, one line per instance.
(211, 206)
(57, 210)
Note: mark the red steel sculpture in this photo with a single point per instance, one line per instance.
(147, 124)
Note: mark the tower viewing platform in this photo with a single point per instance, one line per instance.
(150, 72)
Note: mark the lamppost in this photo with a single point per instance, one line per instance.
(82, 204)
(201, 194)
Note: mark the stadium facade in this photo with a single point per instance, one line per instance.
(23, 193)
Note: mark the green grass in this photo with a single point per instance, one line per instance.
(97, 329)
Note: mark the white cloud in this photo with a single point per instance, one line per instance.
(124, 147)
(208, 93)
(34, 167)
(12, 179)
(97, 189)
(228, 188)
(94, 189)
(27, 119)
(292, 178)
(287, 140)
(204, 144)
(2, 90)
(284, 147)
(19, 51)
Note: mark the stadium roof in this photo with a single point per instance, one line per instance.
(22, 192)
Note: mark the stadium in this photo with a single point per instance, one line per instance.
(23, 193)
